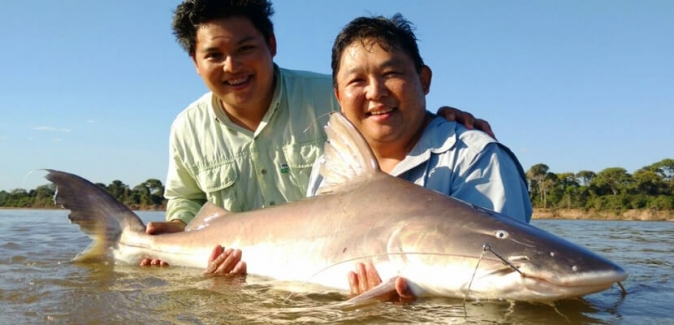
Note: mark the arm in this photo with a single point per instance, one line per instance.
(185, 198)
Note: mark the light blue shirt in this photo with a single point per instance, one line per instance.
(466, 164)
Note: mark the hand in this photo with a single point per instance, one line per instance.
(366, 277)
(225, 262)
(157, 228)
(164, 227)
(465, 118)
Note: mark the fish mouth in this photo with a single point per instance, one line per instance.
(554, 287)
(527, 284)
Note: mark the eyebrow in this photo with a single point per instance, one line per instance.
(393, 62)
(215, 48)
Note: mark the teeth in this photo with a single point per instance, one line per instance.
(382, 112)
(235, 82)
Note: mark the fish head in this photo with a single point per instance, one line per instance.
(483, 254)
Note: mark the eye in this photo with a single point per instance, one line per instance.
(501, 234)
(214, 55)
(246, 48)
(391, 73)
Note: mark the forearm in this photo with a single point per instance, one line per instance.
(183, 209)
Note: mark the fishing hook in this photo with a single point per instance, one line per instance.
(487, 248)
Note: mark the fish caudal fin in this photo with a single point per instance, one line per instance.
(347, 155)
(98, 214)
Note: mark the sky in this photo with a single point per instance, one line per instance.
(91, 87)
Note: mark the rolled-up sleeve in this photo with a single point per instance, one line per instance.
(184, 196)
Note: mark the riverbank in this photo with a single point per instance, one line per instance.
(576, 214)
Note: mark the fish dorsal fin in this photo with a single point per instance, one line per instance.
(346, 156)
(208, 213)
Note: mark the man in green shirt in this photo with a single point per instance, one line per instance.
(251, 141)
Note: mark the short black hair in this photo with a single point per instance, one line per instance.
(190, 14)
(395, 32)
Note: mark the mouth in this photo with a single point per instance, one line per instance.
(380, 112)
(239, 82)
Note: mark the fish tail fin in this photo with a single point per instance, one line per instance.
(98, 214)
(347, 155)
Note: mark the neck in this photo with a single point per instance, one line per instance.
(390, 154)
(250, 116)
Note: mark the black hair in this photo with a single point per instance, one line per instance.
(190, 14)
(390, 33)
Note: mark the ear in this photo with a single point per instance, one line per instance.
(272, 44)
(425, 76)
(336, 90)
(196, 65)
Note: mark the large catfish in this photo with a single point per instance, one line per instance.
(442, 246)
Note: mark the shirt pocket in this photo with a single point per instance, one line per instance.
(218, 184)
(300, 158)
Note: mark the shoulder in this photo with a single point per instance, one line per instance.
(442, 135)
(319, 78)
(299, 80)
(309, 90)
(196, 112)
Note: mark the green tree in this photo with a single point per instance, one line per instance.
(615, 179)
(648, 182)
(540, 181)
(119, 190)
(585, 177)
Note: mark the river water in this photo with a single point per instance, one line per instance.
(38, 284)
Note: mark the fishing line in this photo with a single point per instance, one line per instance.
(465, 297)
(372, 257)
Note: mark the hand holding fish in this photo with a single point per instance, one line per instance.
(225, 261)
(156, 228)
(366, 284)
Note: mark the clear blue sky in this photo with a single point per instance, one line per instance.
(91, 87)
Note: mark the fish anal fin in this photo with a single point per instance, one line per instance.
(385, 291)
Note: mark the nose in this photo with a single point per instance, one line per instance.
(231, 64)
(376, 89)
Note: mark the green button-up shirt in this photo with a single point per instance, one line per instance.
(213, 159)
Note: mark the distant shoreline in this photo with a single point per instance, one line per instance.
(539, 214)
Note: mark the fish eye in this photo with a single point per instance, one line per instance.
(501, 234)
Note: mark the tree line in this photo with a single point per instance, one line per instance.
(651, 187)
(146, 195)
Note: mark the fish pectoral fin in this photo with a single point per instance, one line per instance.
(385, 291)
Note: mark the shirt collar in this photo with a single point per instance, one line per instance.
(433, 141)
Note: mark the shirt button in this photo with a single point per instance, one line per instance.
(264, 172)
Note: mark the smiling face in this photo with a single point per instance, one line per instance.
(236, 64)
(382, 94)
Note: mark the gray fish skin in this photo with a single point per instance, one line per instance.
(434, 241)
